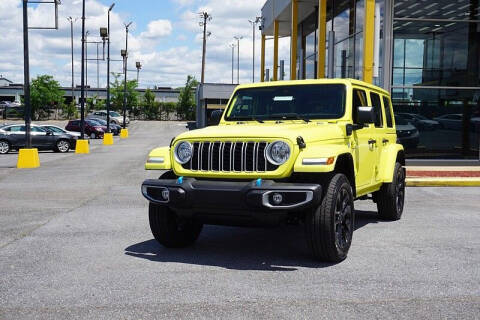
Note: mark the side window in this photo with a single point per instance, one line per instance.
(388, 112)
(17, 128)
(37, 129)
(7, 129)
(359, 100)
(96, 113)
(377, 107)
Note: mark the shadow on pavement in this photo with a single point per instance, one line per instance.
(273, 249)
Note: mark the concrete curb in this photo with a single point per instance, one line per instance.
(443, 182)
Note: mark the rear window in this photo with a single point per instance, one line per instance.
(377, 107)
(388, 111)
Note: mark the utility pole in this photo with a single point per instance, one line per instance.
(82, 94)
(108, 68)
(254, 26)
(205, 19)
(233, 54)
(26, 77)
(238, 38)
(86, 60)
(125, 57)
(73, 68)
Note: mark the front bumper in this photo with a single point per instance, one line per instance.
(232, 202)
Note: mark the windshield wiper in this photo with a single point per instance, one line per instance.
(246, 119)
(290, 116)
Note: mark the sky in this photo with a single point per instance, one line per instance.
(165, 37)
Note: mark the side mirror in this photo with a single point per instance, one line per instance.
(365, 116)
(215, 117)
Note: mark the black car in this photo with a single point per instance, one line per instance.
(114, 128)
(12, 137)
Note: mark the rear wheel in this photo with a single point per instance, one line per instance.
(391, 196)
(4, 147)
(169, 230)
(93, 135)
(329, 227)
(62, 146)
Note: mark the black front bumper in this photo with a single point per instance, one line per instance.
(236, 202)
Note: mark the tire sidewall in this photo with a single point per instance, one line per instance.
(63, 140)
(9, 147)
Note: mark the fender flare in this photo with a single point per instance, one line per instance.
(159, 154)
(390, 155)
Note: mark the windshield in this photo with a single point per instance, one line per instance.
(326, 101)
(93, 123)
(103, 122)
(114, 114)
(400, 121)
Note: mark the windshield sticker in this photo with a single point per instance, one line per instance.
(283, 98)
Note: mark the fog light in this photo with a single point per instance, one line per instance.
(166, 195)
(277, 198)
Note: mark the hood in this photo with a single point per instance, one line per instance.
(310, 132)
(405, 127)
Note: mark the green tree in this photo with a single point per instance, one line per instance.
(70, 110)
(116, 93)
(45, 94)
(150, 106)
(186, 100)
(168, 109)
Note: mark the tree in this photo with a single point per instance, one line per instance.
(150, 106)
(116, 93)
(70, 110)
(186, 100)
(45, 93)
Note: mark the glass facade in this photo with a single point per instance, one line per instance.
(435, 78)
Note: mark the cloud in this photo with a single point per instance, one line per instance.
(157, 29)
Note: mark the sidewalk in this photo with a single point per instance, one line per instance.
(447, 176)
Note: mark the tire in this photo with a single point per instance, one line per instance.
(62, 146)
(169, 231)
(93, 135)
(4, 147)
(329, 227)
(391, 196)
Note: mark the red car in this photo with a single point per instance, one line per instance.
(93, 129)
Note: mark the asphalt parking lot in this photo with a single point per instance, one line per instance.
(75, 243)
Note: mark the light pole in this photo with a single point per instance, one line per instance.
(238, 38)
(73, 69)
(108, 68)
(82, 94)
(206, 18)
(138, 65)
(254, 26)
(233, 54)
(125, 57)
(86, 61)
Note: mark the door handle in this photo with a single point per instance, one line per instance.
(385, 141)
(372, 141)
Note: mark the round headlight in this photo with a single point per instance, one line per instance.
(183, 152)
(278, 152)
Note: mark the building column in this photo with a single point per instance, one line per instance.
(262, 60)
(322, 38)
(275, 50)
(293, 41)
(368, 40)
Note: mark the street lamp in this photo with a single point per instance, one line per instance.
(238, 38)
(108, 68)
(138, 65)
(232, 45)
(254, 25)
(125, 58)
(73, 70)
(206, 17)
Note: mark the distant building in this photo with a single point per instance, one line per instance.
(4, 82)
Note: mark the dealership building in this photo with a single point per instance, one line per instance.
(425, 52)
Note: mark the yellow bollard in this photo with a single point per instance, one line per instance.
(28, 158)
(82, 146)
(124, 133)
(108, 139)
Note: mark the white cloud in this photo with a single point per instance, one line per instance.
(157, 29)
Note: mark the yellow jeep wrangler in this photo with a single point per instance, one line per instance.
(283, 152)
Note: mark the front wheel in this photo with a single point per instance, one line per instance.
(329, 227)
(391, 196)
(169, 230)
(4, 147)
(93, 135)
(62, 146)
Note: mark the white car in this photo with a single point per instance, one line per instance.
(115, 117)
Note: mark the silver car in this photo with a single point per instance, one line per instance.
(115, 117)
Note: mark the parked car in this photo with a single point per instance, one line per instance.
(60, 130)
(421, 122)
(114, 128)
(13, 137)
(454, 121)
(407, 134)
(115, 117)
(92, 128)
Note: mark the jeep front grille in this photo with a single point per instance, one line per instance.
(229, 157)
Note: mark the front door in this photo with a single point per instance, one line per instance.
(363, 144)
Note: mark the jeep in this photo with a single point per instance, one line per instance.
(283, 152)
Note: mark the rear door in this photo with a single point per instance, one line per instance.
(17, 135)
(364, 149)
(379, 128)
